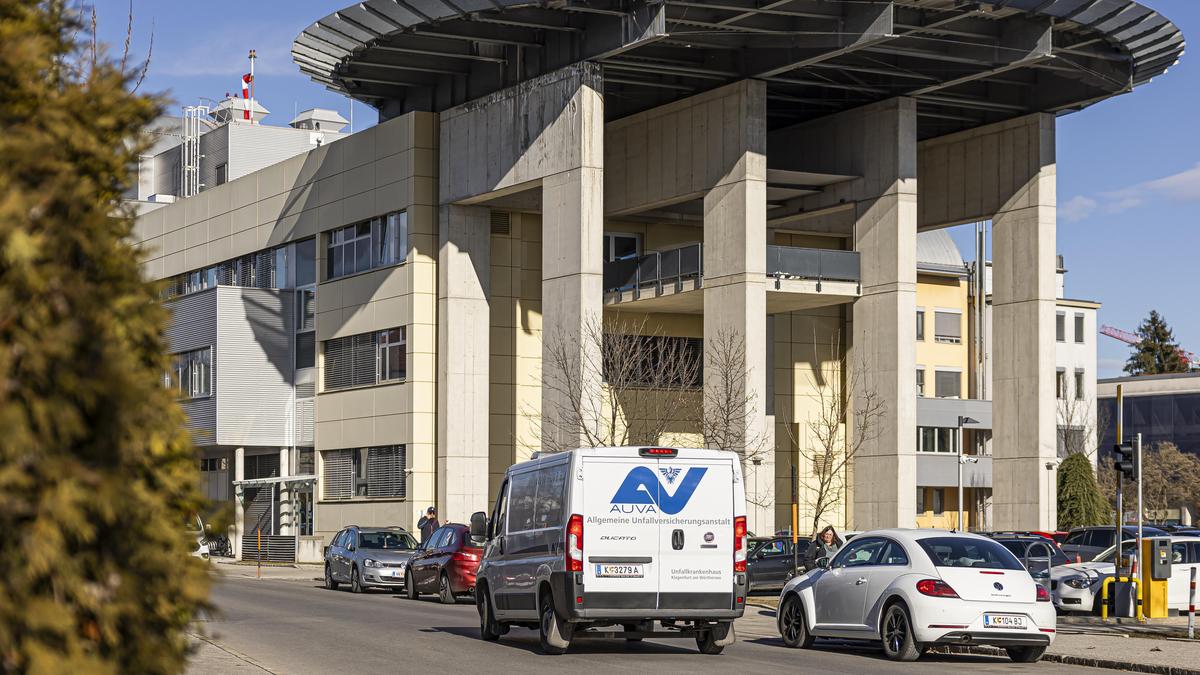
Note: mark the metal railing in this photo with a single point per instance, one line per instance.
(678, 265)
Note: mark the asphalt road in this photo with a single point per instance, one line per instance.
(299, 627)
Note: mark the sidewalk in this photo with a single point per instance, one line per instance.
(1080, 642)
(283, 572)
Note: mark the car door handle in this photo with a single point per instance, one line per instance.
(860, 581)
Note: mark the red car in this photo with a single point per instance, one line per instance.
(445, 564)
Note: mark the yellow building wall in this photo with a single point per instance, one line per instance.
(934, 292)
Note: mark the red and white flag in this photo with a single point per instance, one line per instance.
(246, 80)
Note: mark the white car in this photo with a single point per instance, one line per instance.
(917, 588)
(1076, 587)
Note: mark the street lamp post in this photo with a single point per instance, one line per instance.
(961, 460)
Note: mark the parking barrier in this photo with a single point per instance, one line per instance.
(1137, 584)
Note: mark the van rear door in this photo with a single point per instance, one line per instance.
(620, 532)
(696, 512)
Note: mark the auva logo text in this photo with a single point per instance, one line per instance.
(643, 492)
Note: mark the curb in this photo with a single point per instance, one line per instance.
(1071, 660)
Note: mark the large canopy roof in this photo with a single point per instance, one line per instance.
(966, 63)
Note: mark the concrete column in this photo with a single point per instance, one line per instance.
(1023, 370)
(239, 510)
(572, 279)
(464, 321)
(882, 360)
(735, 300)
(285, 493)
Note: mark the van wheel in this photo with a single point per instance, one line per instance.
(410, 586)
(1025, 654)
(489, 628)
(706, 642)
(329, 582)
(445, 593)
(899, 644)
(554, 634)
(793, 626)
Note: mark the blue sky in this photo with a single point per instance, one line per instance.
(1128, 168)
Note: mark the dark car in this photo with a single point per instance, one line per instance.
(1089, 542)
(368, 557)
(1031, 550)
(770, 563)
(446, 564)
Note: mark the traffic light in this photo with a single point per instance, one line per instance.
(1126, 460)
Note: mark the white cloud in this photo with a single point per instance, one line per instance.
(1180, 187)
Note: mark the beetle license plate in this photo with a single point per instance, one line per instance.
(619, 571)
(1003, 621)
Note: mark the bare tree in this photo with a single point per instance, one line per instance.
(1170, 480)
(84, 64)
(835, 433)
(1080, 426)
(624, 383)
(729, 408)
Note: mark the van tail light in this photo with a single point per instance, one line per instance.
(935, 588)
(1043, 595)
(575, 543)
(739, 544)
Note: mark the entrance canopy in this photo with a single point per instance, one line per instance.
(966, 63)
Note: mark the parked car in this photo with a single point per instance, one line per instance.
(1088, 542)
(616, 536)
(916, 588)
(195, 529)
(1077, 587)
(770, 563)
(368, 557)
(1056, 537)
(1031, 550)
(445, 564)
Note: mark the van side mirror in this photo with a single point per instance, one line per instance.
(823, 562)
(479, 525)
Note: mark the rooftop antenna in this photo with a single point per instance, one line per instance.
(253, 57)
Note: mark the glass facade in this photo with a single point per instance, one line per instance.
(1163, 417)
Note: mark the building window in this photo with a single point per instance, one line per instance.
(938, 502)
(1060, 384)
(926, 439)
(920, 500)
(1079, 328)
(937, 439)
(364, 473)
(621, 246)
(191, 373)
(306, 309)
(306, 262)
(365, 359)
(947, 327)
(1060, 327)
(921, 325)
(1079, 385)
(372, 243)
(306, 350)
(222, 173)
(214, 464)
(920, 382)
(948, 383)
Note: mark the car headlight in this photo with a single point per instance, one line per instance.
(1078, 582)
(372, 563)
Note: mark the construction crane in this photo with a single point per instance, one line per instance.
(1188, 358)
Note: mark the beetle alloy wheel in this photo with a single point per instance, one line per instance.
(791, 622)
(895, 631)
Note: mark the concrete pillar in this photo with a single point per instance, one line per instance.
(735, 301)
(464, 321)
(285, 494)
(239, 515)
(1023, 371)
(572, 280)
(882, 360)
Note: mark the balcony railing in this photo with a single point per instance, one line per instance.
(679, 265)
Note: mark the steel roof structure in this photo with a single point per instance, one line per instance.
(966, 63)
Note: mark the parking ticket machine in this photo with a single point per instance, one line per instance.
(1156, 571)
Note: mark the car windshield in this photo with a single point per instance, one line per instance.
(402, 541)
(1127, 550)
(969, 552)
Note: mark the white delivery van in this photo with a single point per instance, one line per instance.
(605, 542)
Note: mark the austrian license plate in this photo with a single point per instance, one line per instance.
(619, 571)
(1003, 621)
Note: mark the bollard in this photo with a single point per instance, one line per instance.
(1192, 606)
(259, 531)
(1137, 585)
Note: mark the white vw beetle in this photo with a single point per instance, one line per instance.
(917, 588)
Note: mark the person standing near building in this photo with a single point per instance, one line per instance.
(428, 524)
(824, 545)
